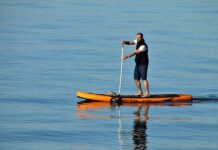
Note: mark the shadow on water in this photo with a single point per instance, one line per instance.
(140, 118)
(205, 99)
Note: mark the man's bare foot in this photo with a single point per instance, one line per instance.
(145, 95)
(138, 94)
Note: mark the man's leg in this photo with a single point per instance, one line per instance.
(138, 86)
(146, 85)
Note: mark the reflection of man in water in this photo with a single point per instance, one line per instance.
(139, 129)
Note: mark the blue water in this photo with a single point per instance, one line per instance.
(51, 49)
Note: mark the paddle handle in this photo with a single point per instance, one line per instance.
(121, 69)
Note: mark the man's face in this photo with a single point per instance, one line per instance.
(138, 38)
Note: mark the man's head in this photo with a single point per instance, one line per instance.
(139, 36)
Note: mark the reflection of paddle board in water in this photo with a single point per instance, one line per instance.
(85, 105)
(133, 98)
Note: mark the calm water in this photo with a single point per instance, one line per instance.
(49, 50)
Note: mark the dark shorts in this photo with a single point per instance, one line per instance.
(140, 72)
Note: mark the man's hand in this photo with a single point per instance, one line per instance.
(122, 42)
(124, 57)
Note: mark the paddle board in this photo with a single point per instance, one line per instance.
(133, 98)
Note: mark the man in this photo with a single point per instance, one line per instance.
(142, 61)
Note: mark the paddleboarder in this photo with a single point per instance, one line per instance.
(142, 61)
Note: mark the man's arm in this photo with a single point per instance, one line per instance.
(139, 50)
(132, 54)
(128, 42)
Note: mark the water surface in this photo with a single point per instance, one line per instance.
(49, 50)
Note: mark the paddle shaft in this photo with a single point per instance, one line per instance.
(119, 112)
(121, 69)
